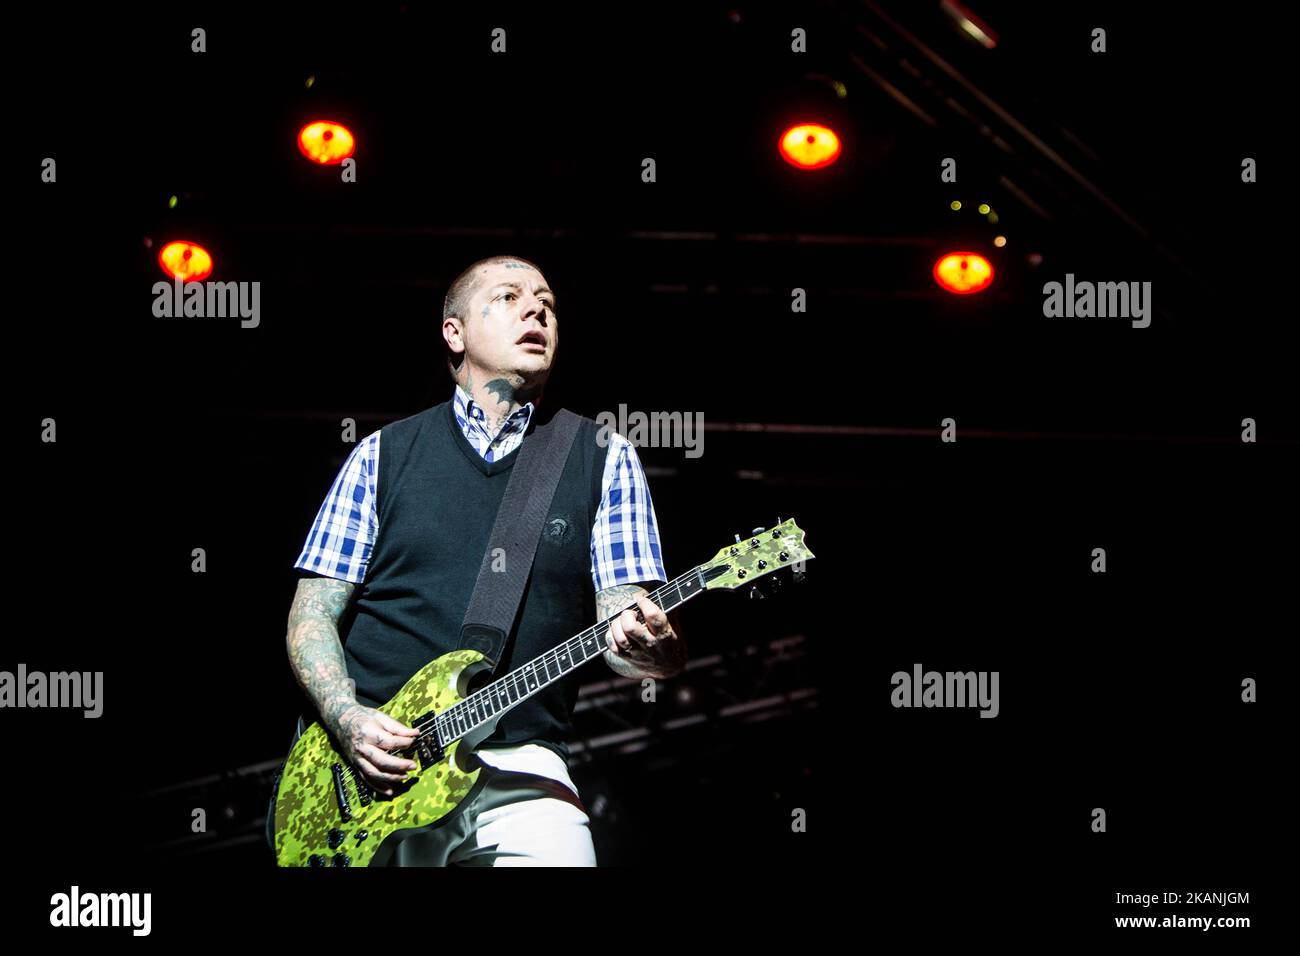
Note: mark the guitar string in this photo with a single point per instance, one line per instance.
(552, 655)
(432, 722)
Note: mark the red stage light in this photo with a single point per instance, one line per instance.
(810, 146)
(185, 261)
(326, 143)
(963, 272)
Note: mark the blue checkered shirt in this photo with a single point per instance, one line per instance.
(624, 536)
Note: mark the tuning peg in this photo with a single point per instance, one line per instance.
(756, 592)
(758, 531)
(797, 574)
(737, 538)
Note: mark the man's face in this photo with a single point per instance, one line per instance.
(511, 328)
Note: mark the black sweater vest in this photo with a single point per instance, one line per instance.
(436, 501)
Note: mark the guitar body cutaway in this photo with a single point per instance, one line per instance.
(322, 816)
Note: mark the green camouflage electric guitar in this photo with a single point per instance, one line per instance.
(326, 815)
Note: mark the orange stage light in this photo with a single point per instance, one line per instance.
(810, 146)
(963, 272)
(326, 143)
(185, 261)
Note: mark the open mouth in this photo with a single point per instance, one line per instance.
(533, 339)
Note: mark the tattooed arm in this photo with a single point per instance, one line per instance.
(367, 735)
(315, 650)
(636, 649)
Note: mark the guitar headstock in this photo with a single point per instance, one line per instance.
(764, 551)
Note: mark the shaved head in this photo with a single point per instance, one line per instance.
(490, 308)
(464, 285)
(462, 289)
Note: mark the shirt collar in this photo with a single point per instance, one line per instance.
(474, 412)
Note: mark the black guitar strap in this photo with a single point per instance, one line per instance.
(516, 531)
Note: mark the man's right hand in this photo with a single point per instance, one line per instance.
(366, 735)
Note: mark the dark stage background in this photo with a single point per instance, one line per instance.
(1118, 690)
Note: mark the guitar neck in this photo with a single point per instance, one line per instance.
(523, 682)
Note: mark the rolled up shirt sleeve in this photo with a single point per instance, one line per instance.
(625, 535)
(343, 534)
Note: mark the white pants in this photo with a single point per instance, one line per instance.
(515, 819)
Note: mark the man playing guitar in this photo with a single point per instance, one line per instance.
(391, 559)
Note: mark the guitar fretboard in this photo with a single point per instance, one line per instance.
(523, 682)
